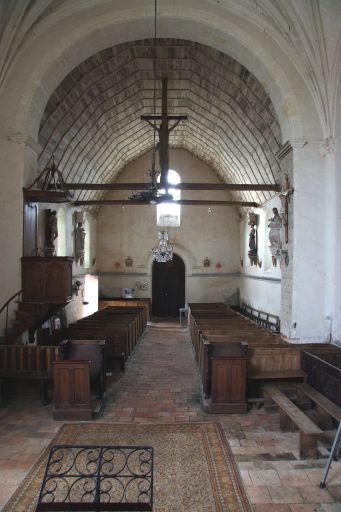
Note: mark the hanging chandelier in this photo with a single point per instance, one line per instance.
(164, 251)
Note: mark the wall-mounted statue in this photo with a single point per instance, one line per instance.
(253, 242)
(79, 242)
(287, 190)
(51, 232)
(275, 224)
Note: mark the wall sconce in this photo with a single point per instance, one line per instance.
(75, 287)
(207, 262)
(129, 262)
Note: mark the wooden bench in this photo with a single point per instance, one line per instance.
(326, 410)
(29, 362)
(291, 416)
(322, 373)
(276, 362)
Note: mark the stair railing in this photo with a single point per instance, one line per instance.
(7, 304)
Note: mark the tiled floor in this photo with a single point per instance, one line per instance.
(161, 384)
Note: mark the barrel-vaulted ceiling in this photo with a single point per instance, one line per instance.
(92, 122)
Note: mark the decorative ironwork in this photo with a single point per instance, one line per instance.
(98, 478)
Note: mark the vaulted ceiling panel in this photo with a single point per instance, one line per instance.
(92, 123)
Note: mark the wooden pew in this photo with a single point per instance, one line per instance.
(29, 362)
(326, 410)
(323, 374)
(89, 350)
(119, 302)
(223, 375)
(291, 417)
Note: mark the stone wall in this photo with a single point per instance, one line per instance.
(260, 282)
(132, 231)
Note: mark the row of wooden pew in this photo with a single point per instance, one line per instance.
(263, 355)
(120, 327)
(103, 341)
(239, 360)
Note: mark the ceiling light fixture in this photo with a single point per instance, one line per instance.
(164, 251)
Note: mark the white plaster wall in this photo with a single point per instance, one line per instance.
(334, 246)
(311, 242)
(260, 284)
(17, 164)
(69, 229)
(132, 231)
(88, 291)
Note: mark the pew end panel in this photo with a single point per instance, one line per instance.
(93, 351)
(224, 386)
(72, 398)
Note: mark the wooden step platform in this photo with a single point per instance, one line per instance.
(292, 417)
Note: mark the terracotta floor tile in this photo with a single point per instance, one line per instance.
(270, 507)
(294, 477)
(313, 494)
(267, 477)
(305, 508)
(281, 494)
(315, 475)
(258, 494)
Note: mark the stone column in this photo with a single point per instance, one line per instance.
(18, 162)
(306, 280)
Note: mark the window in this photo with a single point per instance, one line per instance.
(61, 240)
(87, 243)
(168, 215)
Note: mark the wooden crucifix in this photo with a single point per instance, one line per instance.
(284, 196)
(163, 130)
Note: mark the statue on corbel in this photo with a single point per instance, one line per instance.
(79, 237)
(51, 232)
(275, 225)
(253, 239)
(284, 196)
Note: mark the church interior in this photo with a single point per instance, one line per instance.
(170, 189)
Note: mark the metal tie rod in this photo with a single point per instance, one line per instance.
(333, 455)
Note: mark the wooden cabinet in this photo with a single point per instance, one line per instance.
(227, 375)
(46, 279)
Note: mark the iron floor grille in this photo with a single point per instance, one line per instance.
(97, 478)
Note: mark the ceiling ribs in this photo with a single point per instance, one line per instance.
(233, 126)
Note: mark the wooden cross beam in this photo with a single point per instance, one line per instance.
(180, 186)
(163, 131)
(185, 202)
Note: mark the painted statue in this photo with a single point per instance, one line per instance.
(275, 224)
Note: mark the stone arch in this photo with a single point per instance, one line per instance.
(185, 255)
(232, 34)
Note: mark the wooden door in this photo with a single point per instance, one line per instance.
(30, 229)
(168, 287)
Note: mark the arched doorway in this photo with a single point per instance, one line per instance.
(168, 287)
